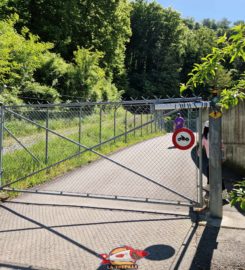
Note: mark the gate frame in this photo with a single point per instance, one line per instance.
(179, 103)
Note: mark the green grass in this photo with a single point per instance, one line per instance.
(21, 128)
(20, 163)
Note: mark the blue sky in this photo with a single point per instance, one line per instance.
(233, 10)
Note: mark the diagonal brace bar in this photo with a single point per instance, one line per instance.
(21, 144)
(72, 156)
(101, 155)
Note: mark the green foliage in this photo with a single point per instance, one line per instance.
(153, 53)
(161, 53)
(195, 45)
(98, 25)
(85, 79)
(52, 71)
(41, 92)
(229, 49)
(29, 71)
(221, 80)
(20, 57)
(238, 195)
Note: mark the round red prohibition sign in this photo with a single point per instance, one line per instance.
(183, 138)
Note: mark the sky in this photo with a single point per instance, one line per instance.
(233, 10)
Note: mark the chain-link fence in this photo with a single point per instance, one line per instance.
(120, 150)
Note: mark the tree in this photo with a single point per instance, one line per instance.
(196, 44)
(152, 56)
(21, 56)
(101, 25)
(232, 48)
(87, 80)
(210, 23)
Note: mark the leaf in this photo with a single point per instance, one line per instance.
(222, 39)
(233, 202)
(183, 87)
(242, 205)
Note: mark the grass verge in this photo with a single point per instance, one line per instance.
(19, 163)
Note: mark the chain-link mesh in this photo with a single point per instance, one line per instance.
(120, 149)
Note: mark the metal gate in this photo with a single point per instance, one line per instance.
(107, 150)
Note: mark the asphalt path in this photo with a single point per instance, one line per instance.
(152, 169)
(54, 232)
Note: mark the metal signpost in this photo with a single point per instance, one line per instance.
(215, 166)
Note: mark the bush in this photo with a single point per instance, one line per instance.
(238, 195)
(34, 92)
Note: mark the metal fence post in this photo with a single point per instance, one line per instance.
(155, 122)
(100, 128)
(80, 126)
(152, 111)
(158, 121)
(147, 119)
(115, 123)
(200, 182)
(46, 139)
(162, 121)
(125, 128)
(141, 123)
(1, 141)
(215, 170)
(134, 123)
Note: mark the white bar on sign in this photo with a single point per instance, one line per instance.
(185, 105)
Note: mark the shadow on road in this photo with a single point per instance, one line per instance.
(159, 252)
(185, 246)
(52, 231)
(206, 246)
(14, 266)
(156, 252)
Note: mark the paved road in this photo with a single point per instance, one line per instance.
(34, 234)
(154, 159)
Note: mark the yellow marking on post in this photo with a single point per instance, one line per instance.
(215, 115)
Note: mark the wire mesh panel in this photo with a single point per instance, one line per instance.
(116, 150)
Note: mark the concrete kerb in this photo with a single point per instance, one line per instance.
(232, 219)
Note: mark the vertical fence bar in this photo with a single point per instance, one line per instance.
(155, 117)
(1, 141)
(80, 126)
(46, 139)
(141, 123)
(126, 124)
(151, 124)
(161, 120)
(200, 184)
(134, 122)
(115, 123)
(147, 119)
(100, 127)
(151, 112)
